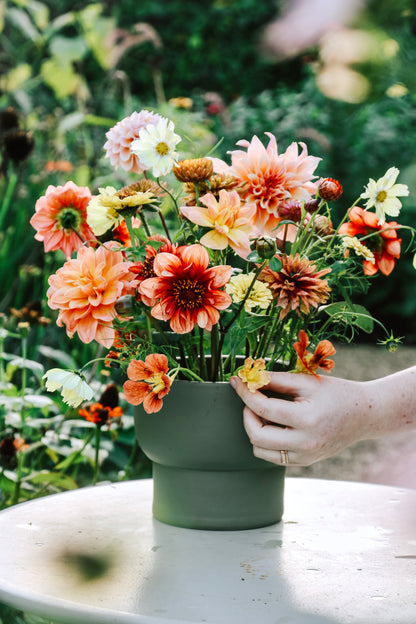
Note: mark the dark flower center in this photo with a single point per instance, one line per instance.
(147, 268)
(188, 294)
(69, 218)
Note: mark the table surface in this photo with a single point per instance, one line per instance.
(344, 553)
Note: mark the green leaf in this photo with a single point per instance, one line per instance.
(60, 78)
(58, 479)
(22, 21)
(39, 12)
(351, 314)
(275, 264)
(253, 322)
(253, 256)
(59, 356)
(19, 362)
(68, 49)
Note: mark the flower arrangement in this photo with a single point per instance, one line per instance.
(201, 269)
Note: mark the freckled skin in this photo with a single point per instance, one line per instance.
(326, 414)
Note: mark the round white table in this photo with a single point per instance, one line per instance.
(344, 553)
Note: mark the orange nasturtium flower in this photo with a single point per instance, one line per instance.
(308, 362)
(254, 374)
(384, 244)
(148, 382)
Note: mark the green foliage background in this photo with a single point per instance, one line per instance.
(72, 69)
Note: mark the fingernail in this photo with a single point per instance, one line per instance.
(233, 382)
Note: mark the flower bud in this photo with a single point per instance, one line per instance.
(329, 189)
(125, 305)
(193, 170)
(265, 247)
(311, 205)
(291, 210)
(323, 225)
(9, 119)
(18, 144)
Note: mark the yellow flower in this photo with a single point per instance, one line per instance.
(104, 211)
(254, 374)
(352, 242)
(260, 295)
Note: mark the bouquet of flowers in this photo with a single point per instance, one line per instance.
(201, 268)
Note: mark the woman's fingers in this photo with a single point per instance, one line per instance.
(265, 434)
(280, 411)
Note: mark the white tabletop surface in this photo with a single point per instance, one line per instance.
(344, 553)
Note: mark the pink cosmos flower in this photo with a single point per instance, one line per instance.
(186, 290)
(122, 135)
(60, 219)
(229, 221)
(268, 179)
(85, 290)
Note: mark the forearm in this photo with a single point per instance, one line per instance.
(390, 403)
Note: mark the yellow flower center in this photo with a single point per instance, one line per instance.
(188, 294)
(222, 228)
(157, 382)
(381, 196)
(162, 148)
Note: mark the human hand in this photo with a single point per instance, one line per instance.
(318, 418)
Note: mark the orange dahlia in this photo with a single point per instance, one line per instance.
(148, 382)
(60, 219)
(308, 362)
(85, 290)
(270, 179)
(298, 285)
(384, 243)
(186, 290)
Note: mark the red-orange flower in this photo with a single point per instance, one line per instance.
(60, 220)
(298, 285)
(308, 362)
(384, 244)
(144, 269)
(186, 290)
(85, 290)
(107, 408)
(100, 414)
(148, 382)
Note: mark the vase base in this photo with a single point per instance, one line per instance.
(218, 500)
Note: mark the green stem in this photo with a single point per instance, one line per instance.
(18, 483)
(131, 460)
(129, 224)
(165, 227)
(202, 360)
(24, 378)
(215, 352)
(145, 225)
(8, 197)
(96, 456)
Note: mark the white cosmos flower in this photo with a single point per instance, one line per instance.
(74, 389)
(156, 145)
(383, 195)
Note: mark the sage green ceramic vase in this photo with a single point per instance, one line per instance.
(205, 475)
